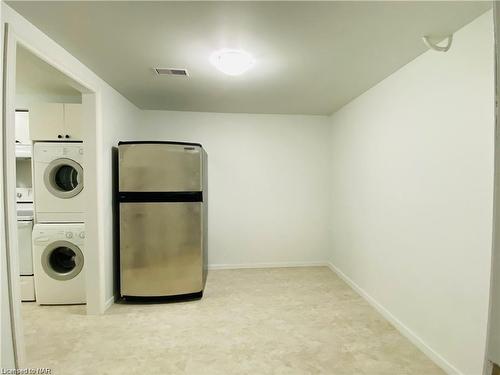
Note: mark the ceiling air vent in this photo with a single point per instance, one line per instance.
(171, 72)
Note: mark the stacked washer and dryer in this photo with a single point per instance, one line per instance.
(59, 231)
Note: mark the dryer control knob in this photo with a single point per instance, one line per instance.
(69, 235)
(82, 235)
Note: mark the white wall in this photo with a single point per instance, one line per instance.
(120, 121)
(268, 183)
(412, 196)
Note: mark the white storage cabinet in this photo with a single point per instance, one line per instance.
(56, 122)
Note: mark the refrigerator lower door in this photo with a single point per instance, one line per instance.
(161, 248)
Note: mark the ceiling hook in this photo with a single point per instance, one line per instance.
(434, 46)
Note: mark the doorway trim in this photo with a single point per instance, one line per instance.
(92, 137)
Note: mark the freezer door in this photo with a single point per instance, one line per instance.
(157, 167)
(161, 252)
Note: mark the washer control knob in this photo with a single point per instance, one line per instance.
(82, 235)
(69, 235)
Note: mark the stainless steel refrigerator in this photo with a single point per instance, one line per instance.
(163, 218)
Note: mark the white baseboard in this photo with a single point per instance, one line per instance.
(266, 265)
(404, 330)
(108, 303)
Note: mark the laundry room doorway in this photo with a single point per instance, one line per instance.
(50, 144)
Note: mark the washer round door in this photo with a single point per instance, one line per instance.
(64, 178)
(62, 260)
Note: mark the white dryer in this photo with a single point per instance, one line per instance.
(59, 263)
(58, 182)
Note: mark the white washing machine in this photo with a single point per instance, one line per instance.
(59, 259)
(58, 182)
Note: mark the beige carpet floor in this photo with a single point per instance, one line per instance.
(253, 321)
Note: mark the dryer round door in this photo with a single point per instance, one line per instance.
(62, 260)
(64, 178)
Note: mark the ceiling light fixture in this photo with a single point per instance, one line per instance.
(232, 62)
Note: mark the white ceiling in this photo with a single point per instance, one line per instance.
(34, 77)
(312, 57)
